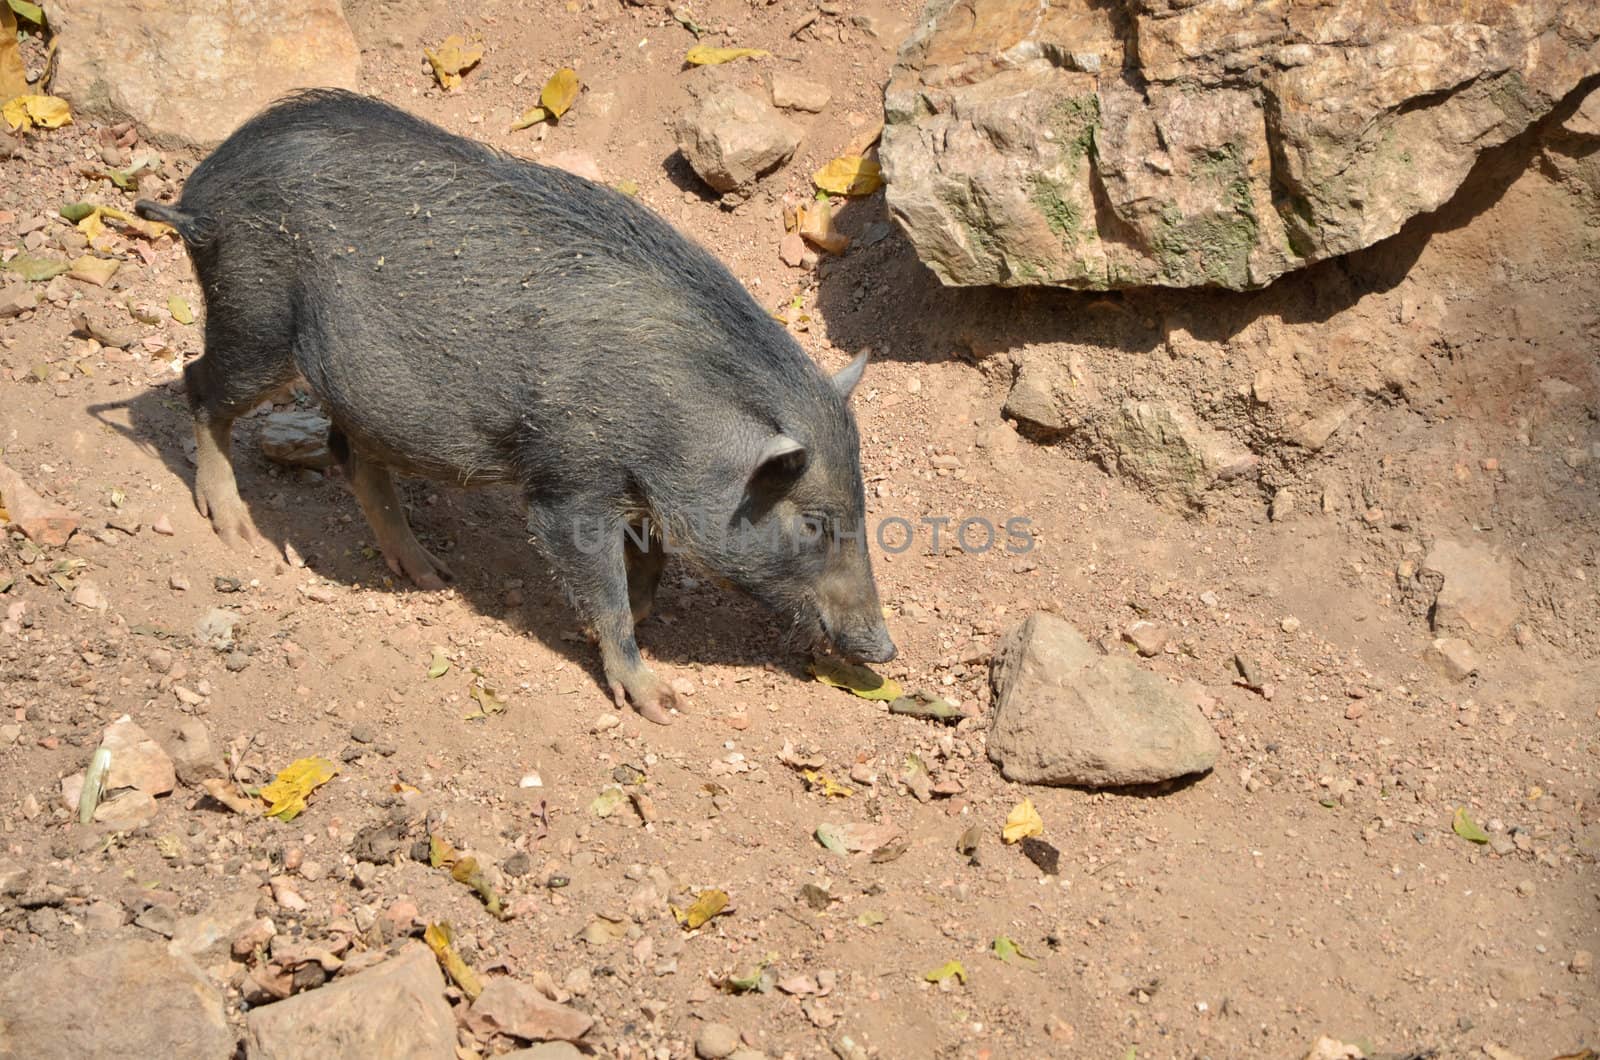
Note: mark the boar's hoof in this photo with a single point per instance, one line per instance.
(422, 567)
(651, 697)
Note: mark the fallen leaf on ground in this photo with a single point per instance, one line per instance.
(945, 971)
(454, 58)
(705, 55)
(36, 267)
(467, 871)
(286, 794)
(93, 784)
(706, 904)
(531, 116)
(91, 269)
(849, 175)
(441, 940)
(560, 92)
(440, 852)
(603, 930)
(759, 979)
(686, 20)
(1007, 950)
(927, 705)
(836, 673)
(855, 837)
(870, 918)
(1464, 826)
(1023, 821)
(229, 796)
(439, 665)
(179, 308)
(817, 781)
(489, 702)
(13, 75)
(41, 112)
(606, 803)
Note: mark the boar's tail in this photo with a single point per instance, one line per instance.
(189, 225)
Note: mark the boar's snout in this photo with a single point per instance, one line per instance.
(870, 644)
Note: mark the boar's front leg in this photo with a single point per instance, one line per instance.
(587, 548)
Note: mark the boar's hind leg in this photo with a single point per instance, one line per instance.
(644, 572)
(591, 556)
(375, 492)
(221, 385)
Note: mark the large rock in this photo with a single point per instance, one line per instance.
(1162, 449)
(191, 71)
(1183, 143)
(1476, 592)
(731, 137)
(298, 437)
(132, 999)
(396, 1010)
(1065, 714)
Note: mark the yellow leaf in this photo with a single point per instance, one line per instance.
(489, 702)
(1023, 821)
(849, 175)
(179, 308)
(13, 78)
(43, 112)
(91, 269)
(467, 872)
(705, 55)
(819, 781)
(441, 940)
(560, 92)
(946, 971)
(706, 905)
(440, 852)
(454, 58)
(439, 665)
(531, 116)
(286, 794)
(836, 673)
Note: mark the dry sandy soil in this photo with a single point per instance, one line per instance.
(1311, 885)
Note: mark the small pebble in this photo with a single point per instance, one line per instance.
(715, 1041)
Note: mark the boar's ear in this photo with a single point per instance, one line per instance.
(847, 378)
(781, 459)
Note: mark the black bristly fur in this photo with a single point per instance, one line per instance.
(473, 317)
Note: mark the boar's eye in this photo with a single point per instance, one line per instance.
(814, 526)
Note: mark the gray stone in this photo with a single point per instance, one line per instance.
(1067, 715)
(1453, 657)
(1162, 449)
(1032, 404)
(297, 438)
(731, 137)
(209, 933)
(715, 1041)
(194, 754)
(130, 999)
(545, 1051)
(17, 299)
(396, 1010)
(1476, 593)
(126, 810)
(796, 93)
(137, 761)
(192, 71)
(516, 1009)
(1202, 142)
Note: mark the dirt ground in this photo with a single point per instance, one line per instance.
(1311, 885)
